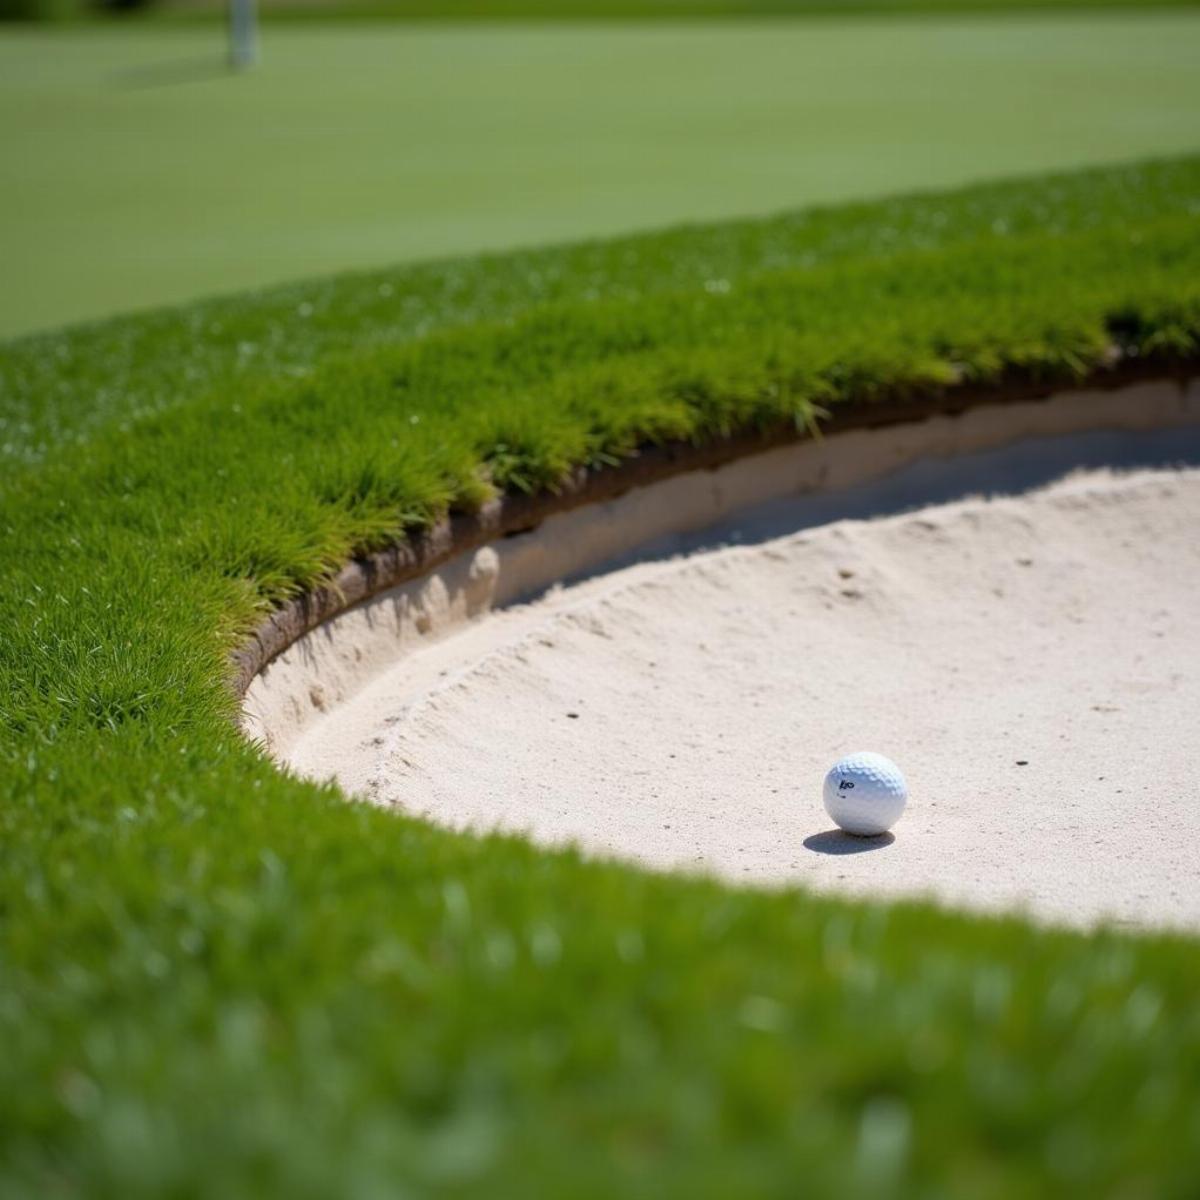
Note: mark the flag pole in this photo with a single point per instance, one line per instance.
(243, 34)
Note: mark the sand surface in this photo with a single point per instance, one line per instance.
(1032, 662)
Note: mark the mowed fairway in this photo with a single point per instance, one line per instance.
(135, 172)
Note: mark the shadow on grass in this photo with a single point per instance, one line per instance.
(834, 841)
(172, 72)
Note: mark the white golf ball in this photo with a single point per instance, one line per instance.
(865, 794)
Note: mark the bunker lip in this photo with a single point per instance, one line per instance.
(515, 513)
(978, 555)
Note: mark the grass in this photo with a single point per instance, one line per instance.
(217, 980)
(499, 10)
(442, 11)
(139, 173)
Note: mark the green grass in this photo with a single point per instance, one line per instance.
(559, 10)
(216, 980)
(137, 173)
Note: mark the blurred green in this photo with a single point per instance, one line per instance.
(220, 981)
(138, 171)
(557, 10)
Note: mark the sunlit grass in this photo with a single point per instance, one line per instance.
(217, 980)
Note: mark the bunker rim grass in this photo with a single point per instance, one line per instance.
(219, 978)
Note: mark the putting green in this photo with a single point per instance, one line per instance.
(136, 172)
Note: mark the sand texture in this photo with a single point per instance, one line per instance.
(313, 656)
(1032, 663)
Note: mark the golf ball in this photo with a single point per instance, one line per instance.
(865, 794)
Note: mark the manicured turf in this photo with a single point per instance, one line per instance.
(473, 10)
(137, 173)
(218, 981)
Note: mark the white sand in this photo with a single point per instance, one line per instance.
(1033, 663)
(994, 448)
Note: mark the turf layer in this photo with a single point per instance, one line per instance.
(628, 10)
(219, 981)
(565, 10)
(137, 171)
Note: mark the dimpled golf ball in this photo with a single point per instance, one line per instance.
(865, 794)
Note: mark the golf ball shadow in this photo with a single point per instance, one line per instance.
(836, 841)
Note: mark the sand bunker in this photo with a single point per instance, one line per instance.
(1033, 663)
